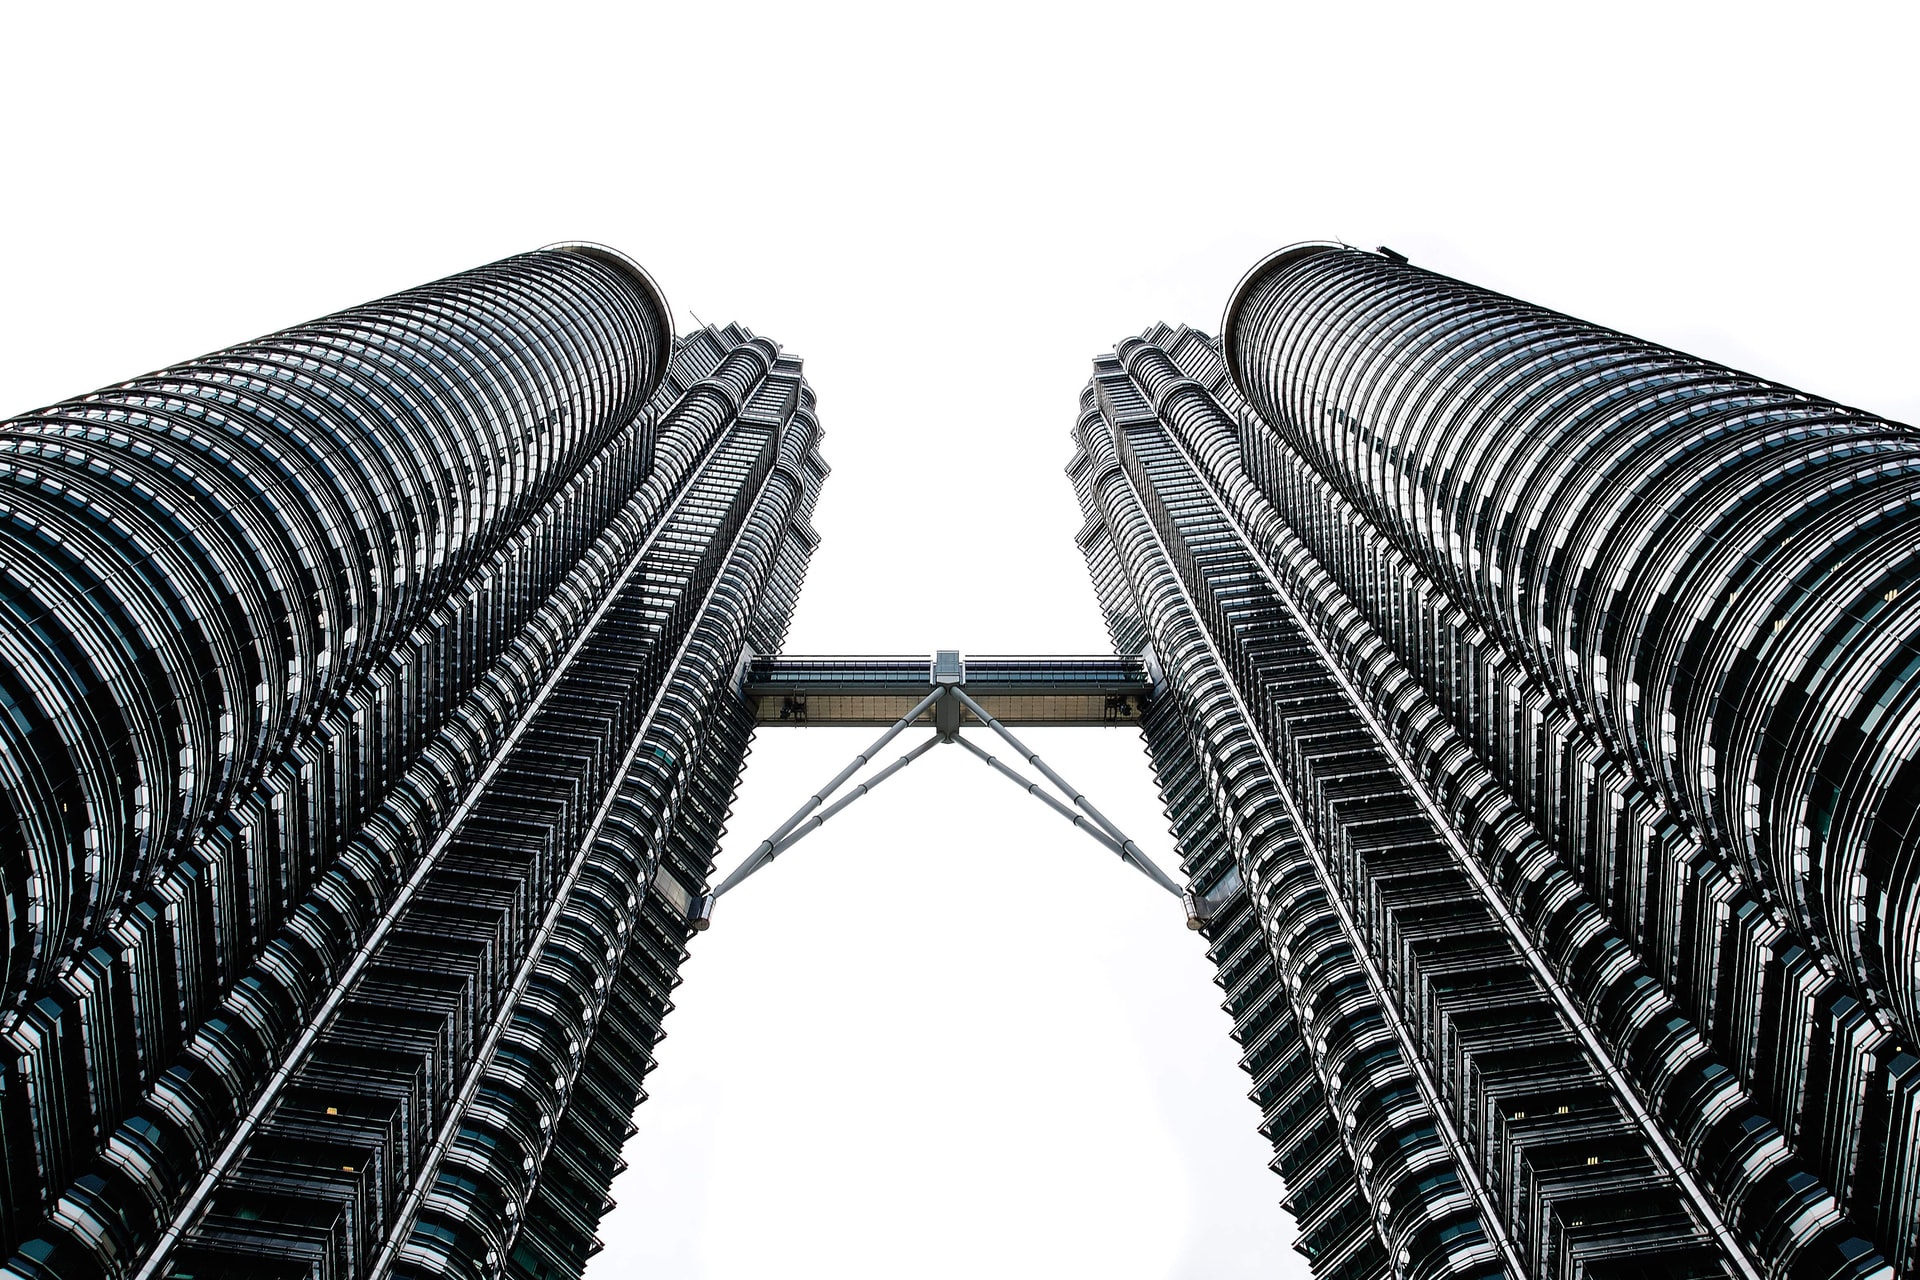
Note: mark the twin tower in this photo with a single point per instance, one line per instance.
(1537, 711)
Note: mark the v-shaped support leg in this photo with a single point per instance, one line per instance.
(1089, 819)
(1127, 850)
(1110, 835)
(792, 830)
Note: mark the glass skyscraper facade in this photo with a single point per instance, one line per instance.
(1541, 707)
(1536, 710)
(371, 720)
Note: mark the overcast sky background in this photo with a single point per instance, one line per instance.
(950, 1036)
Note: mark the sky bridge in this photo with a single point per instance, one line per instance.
(1038, 691)
(949, 692)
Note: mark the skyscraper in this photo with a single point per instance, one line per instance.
(371, 716)
(1538, 708)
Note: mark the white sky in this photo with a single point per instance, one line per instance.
(949, 1036)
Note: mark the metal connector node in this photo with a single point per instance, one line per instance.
(1204, 908)
(1196, 919)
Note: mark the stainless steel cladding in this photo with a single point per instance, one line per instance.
(363, 734)
(1561, 689)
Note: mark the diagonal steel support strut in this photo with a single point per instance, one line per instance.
(1126, 848)
(814, 823)
(1086, 824)
(770, 848)
(702, 915)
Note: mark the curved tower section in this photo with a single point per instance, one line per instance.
(1561, 691)
(200, 560)
(1713, 576)
(362, 749)
(1436, 1108)
(1585, 673)
(1681, 631)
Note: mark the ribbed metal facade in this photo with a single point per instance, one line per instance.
(371, 722)
(1555, 698)
(1537, 710)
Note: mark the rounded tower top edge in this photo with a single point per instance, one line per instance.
(1274, 261)
(620, 262)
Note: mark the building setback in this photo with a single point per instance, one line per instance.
(371, 721)
(1540, 706)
